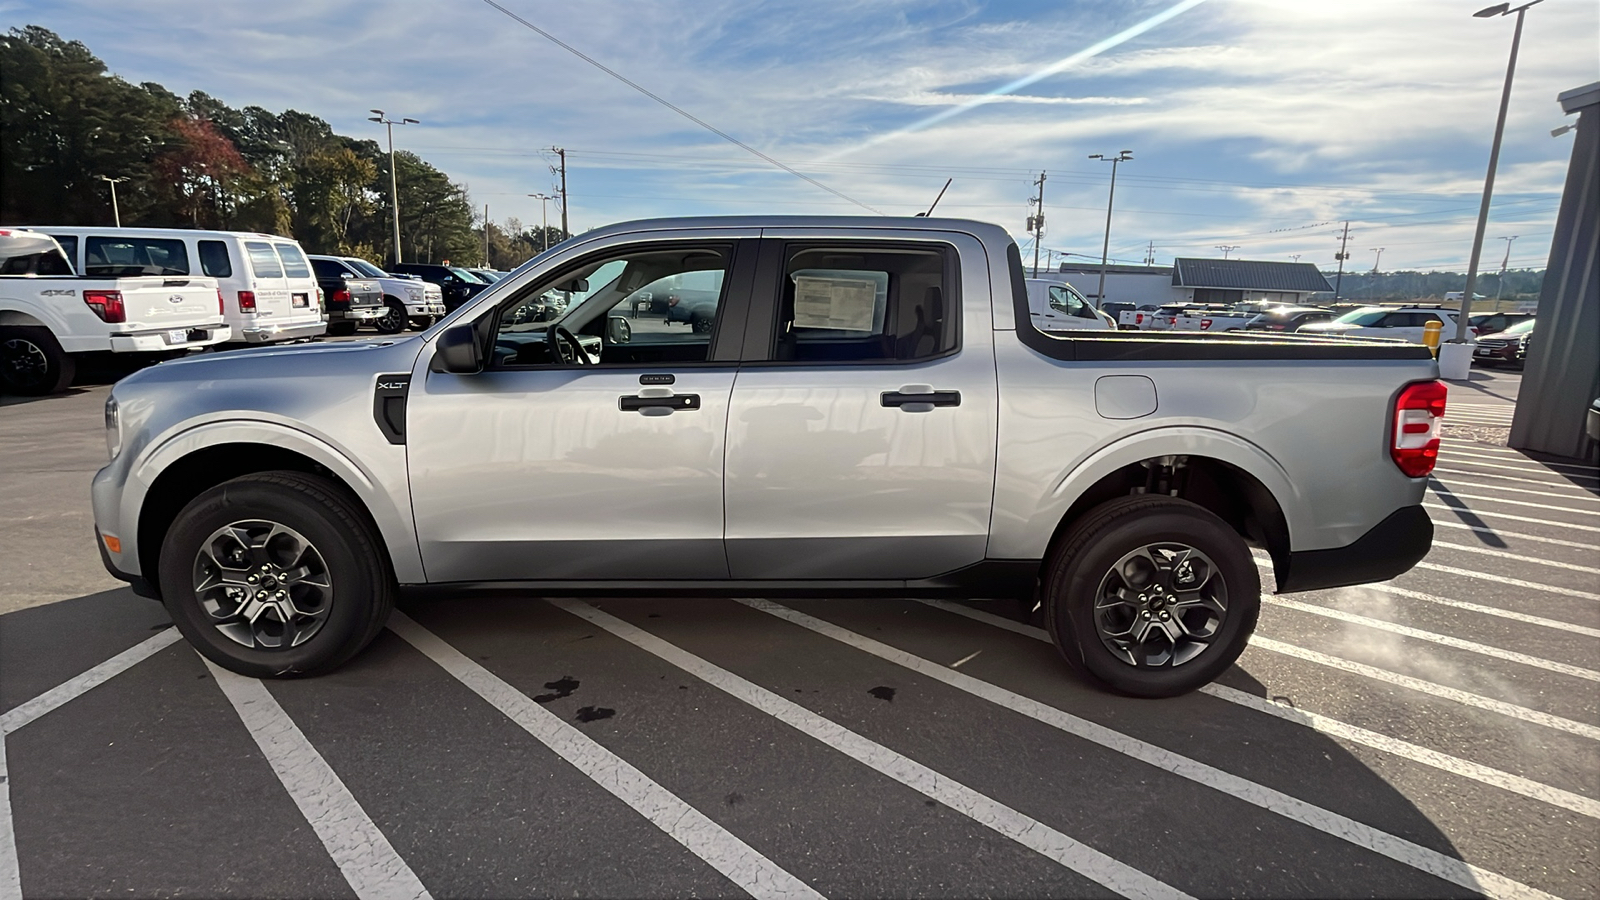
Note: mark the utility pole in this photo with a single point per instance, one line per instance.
(394, 190)
(1379, 259)
(1341, 256)
(1295, 257)
(1500, 288)
(116, 214)
(1036, 222)
(1111, 196)
(486, 264)
(562, 171)
(1227, 248)
(1150, 254)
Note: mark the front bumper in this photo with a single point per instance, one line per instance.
(138, 583)
(428, 308)
(170, 339)
(1390, 548)
(266, 333)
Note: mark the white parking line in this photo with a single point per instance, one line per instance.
(1557, 624)
(1488, 465)
(1517, 536)
(1577, 492)
(364, 856)
(1294, 809)
(1514, 582)
(1529, 464)
(1565, 495)
(72, 688)
(721, 849)
(10, 875)
(1492, 551)
(1507, 516)
(986, 811)
(1264, 643)
(1444, 640)
(1442, 490)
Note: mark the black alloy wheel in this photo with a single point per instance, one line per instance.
(393, 320)
(32, 362)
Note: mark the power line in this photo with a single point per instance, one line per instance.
(677, 109)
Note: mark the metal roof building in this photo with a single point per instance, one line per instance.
(1233, 280)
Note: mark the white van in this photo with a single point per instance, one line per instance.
(268, 290)
(1055, 305)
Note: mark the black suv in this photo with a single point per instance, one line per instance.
(457, 284)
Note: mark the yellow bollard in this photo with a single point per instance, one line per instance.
(1430, 335)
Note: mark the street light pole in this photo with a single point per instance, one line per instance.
(1502, 9)
(1500, 288)
(1111, 196)
(1379, 259)
(394, 189)
(116, 214)
(544, 216)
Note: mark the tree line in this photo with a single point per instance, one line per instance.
(67, 124)
(1521, 285)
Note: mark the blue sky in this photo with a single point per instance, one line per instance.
(1257, 123)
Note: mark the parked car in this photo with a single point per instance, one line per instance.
(1056, 305)
(406, 298)
(1406, 323)
(266, 280)
(352, 300)
(897, 425)
(1509, 347)
(488, 276)
(1591, 423)
(1211, 318)
(1493, 323)
(695, 308)
(49, 316)
(1289, 318)
(1162, 318)
(456, 285)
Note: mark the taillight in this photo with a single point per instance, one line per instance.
(220, 301)
(1138, 318)
(1204, 324)
(341, 296)
(1418, 413)
(1472, 328)
(247, 301)
(107, 305)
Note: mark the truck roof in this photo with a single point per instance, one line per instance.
(985, 231)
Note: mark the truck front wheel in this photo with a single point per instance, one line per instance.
(275, 574)
(393, 320)
(32, 362)
(1151, 596)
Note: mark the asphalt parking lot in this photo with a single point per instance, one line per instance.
(1433, 736)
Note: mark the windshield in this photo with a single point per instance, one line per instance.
(1361, 317)
(466, 276)
(366, 268)
(1522, 327)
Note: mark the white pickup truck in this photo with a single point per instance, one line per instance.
(49, 315)
(1231, 319)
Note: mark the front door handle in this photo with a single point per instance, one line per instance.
(658, 405)
(919, 398)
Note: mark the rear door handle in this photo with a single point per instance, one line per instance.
(658, 405)
(919, 398)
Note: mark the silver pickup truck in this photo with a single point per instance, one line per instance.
(869, 412)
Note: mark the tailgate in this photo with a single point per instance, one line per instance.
(154, 303)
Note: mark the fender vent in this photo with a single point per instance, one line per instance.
(389, 406)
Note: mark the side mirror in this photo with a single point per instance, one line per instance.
(457, 351)
(618, 331)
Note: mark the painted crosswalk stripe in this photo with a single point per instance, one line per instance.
(1518, 536)
(1509, 517)
(740, 863)
(1031, 833)
(1501, 554)
(1478, 772)
(1444, 640)
(24, 713)
(363, 854)
(1294, 809)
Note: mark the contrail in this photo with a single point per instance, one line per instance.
(1059, 65)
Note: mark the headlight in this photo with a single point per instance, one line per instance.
(113, 428)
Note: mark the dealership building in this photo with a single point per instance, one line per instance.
(1191, 280)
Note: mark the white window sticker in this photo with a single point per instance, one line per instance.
(844, 304)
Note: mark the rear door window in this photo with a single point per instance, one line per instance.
(264, 263)
(114, 256)
(294, 262)
(214, 259)
(69, 246)
(865, 303)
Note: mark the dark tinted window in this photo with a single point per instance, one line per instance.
(135, 256)
(294, 262)
(865, 303)
(263, 262)
(69, 246)
(327, 268)
(214, 260)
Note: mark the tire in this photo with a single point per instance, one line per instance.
(1099, 553)
(421, 323)
(394, 319)
(702, 323)
(341, 329)
(32, 362)
(276, 512)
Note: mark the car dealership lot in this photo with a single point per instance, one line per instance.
(1432, 736)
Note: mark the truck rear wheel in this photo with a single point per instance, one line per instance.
(393, 320)
(276, 574)
(1151, 596)
(32, 362)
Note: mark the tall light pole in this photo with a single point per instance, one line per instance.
(1500, 288)
(116, 214)
(1378, 259)
(1105, 245)
(394, 188)
(1461, 355)
(544, 216)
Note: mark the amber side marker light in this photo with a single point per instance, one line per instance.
(114, 544)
